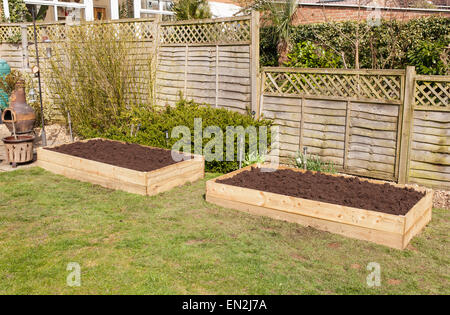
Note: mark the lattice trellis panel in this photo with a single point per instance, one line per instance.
(230, 32)
(51, 32)
(354, 86)
(142, 30)
(10, 34)
(432, 93)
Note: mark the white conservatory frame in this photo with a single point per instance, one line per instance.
(138, 9)
(87, 5)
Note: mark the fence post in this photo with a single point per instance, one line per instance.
(262, 80)
(407, 116)
(24, 34)
(156, 43)
(254, 60)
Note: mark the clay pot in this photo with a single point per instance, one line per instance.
(19, 111)
(19, 150)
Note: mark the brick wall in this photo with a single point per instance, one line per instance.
(308, 13)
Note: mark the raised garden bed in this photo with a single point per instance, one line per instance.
(117, 165)
(387, 214)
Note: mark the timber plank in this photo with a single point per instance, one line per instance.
(92, 178)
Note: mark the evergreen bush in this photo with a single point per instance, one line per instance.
(154, 126)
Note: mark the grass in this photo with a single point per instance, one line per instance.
(177, 243)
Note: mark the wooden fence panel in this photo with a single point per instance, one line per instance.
(430, 137)
(360, 121)
(13, 55)
(373, 139)
(323, 127)
(171, 74)
(287, 114)
(348, 117)
(208, 61)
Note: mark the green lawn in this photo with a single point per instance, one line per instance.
(177, 243)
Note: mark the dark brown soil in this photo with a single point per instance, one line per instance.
(132, 156)
(340, 190)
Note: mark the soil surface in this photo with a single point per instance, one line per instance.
(346, 191)
(131, 156)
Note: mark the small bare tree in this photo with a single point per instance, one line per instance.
(99, 73)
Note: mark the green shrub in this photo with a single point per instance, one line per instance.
(427, 57)
(381, 47)
(154, 123)
(191, 9)
(308, 55)
(19, 12)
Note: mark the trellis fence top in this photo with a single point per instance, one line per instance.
(381, 86)
(222, 31)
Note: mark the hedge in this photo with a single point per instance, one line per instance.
(377, 43)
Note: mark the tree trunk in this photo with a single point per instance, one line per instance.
(283, 51)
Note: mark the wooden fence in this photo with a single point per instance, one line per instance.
(209, 61)
(429, 138)
(387, 124)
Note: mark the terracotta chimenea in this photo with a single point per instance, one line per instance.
(19, 111)
(19, 117)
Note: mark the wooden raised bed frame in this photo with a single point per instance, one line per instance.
(386, 229)
(115, 177)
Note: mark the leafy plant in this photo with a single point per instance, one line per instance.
(8, 83)
(98, 77)
(17, 12)
(155, 123)
(384, 46)
(191, 9)
(20, 12)
(313, 163)
(308, 55)
(280, 17)
(126, 9)
(427, 58)
(252, 158)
